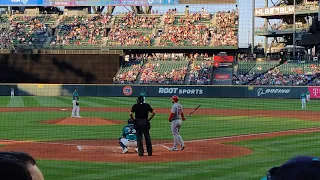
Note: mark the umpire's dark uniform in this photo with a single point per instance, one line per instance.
(142, 124)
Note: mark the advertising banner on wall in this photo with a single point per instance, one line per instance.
(275, 92)
(222, 59)
(270, 92)
(272, 11)
(314, 92)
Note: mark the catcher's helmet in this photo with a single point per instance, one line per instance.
(175, 98)
(130, 121)
(140, 99)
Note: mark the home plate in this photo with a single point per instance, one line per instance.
(63, 109)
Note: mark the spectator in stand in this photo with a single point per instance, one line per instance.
(130, 76)
(225, 32)
(131, 20)
(119, 36)
(190, 35)
(28, 30)
(79, 29)
(200, 74)
(298, 77)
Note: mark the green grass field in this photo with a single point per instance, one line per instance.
(266, 152)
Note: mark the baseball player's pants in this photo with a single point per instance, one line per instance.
(145, 132)
(125, 143)
(12, 94)
(175, 128)
(303, 102)
(308, 97)
(75, 109)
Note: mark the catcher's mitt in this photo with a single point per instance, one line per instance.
(77, 103)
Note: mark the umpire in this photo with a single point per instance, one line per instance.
(141, 111)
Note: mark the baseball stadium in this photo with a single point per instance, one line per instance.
(213, 89)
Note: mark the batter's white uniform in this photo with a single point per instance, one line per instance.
(176, 125)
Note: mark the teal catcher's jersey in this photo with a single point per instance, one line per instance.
(75, 94)
(302, 95)
(129, 132)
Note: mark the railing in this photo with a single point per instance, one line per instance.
(286, 27)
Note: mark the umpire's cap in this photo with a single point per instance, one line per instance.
(140, 99)
(297, 168)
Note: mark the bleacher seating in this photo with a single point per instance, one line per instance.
(128, 73)
(133, 21)
(5, 39)
(200, 72)
(30, 30)
(245, 67)
(101, 31)
(164, 72)
(82, 30)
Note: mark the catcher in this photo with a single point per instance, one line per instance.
(129, 138)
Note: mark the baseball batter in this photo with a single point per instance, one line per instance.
(75, 104)
(175, 118)
(129, 137)
(303, 100)
(308, 96)
(12, 93)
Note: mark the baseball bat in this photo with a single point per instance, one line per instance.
(194, 110)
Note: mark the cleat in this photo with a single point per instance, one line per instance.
(136, 150)
(125, 150)
(182, 148)
(173, 149)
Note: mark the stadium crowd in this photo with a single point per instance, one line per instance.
(188, 29)
(82, 30)
(226, 30)
(189, 35)
(166, 68)
(150, 76)
(131, 20)
(129, 76)
(120, 36)
(309, 75)
(28, 30)
(200, 73)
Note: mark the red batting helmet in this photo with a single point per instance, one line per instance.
(175, 98)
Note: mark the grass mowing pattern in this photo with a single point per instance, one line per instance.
(267, 152)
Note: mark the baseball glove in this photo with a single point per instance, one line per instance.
(77, 103)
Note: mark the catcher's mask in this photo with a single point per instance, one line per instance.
(140, 99)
